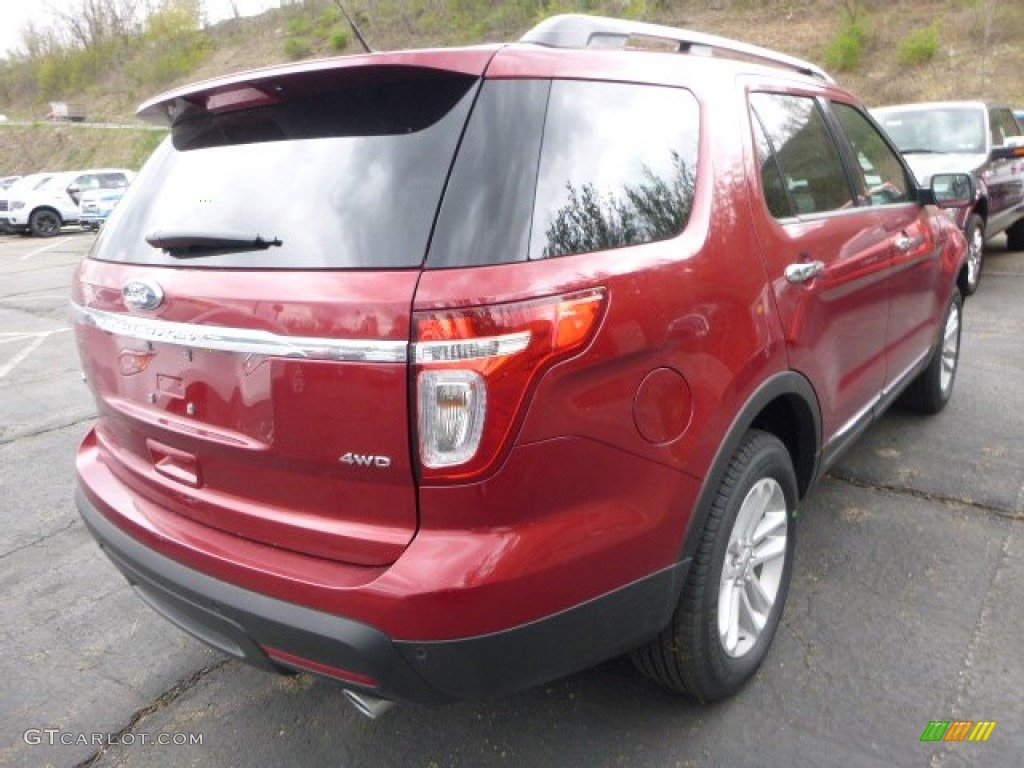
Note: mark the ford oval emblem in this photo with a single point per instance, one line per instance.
(142, 294)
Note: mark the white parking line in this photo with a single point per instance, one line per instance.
(44, 249)
(13, 362)
(34, 297)
(37, 341)
(17, 335)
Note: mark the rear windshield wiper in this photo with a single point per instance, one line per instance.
(184, 245)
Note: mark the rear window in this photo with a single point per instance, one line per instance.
(349, 179)
(556, 168)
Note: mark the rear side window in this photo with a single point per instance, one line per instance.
(113, 180)
(349, 177)
(618, 167)
(1003, 126)
(794, 131)
(556, 168)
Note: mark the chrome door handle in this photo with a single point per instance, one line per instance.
(804, 271)
(903, 242)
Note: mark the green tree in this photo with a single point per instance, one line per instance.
(844, 51)
(920, 46)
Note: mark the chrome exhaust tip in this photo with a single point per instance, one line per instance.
(368, 705)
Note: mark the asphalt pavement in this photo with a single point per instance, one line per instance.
(905, 606)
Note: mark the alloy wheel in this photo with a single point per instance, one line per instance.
(753, 568)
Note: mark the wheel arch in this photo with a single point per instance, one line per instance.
(963, 280)
(980, 205)
(48, 209)
(981, 208)
(785, 406)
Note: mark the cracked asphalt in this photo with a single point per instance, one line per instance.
(905, 605)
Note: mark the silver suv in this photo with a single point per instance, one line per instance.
(967, 137)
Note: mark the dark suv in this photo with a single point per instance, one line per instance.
(445, 373)
(972, 137)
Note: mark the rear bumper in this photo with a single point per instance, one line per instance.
(278, 635)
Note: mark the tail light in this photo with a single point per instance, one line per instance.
(475, 369)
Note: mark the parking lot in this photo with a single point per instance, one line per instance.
(905, 606)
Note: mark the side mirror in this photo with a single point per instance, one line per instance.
(952, 190)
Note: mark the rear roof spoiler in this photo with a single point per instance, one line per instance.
(583, 31)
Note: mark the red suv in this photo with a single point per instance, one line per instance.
(446, 373)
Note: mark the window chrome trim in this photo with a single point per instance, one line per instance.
(243, 340)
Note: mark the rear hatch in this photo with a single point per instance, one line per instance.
(244, 317)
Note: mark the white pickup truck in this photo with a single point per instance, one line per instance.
(972, 137)
(55, 203)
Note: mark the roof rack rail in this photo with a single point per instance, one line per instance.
(575, 30)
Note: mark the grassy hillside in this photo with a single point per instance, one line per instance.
(887, 51)
(48, 147)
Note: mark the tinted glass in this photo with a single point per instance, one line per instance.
(618, 167)
(779, 203)
(56, 183)
(86, 181)
(1003, 126)
(485, 218)
(811, 166)
(113, 180)
(26, 183)
(883, 179)
(349, 178)
(944, 129)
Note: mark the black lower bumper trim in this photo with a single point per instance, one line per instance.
(239, 621)
(242, 623)
(552, 647)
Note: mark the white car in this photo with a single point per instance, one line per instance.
(43, 210)
(18, 189)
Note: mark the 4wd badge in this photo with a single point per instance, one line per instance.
(363, 460)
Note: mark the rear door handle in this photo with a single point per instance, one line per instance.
(803, 271)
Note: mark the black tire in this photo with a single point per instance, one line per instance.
(690, 656)
(974, 230)
(933, 387)
(1015, 237)
(45, 222)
